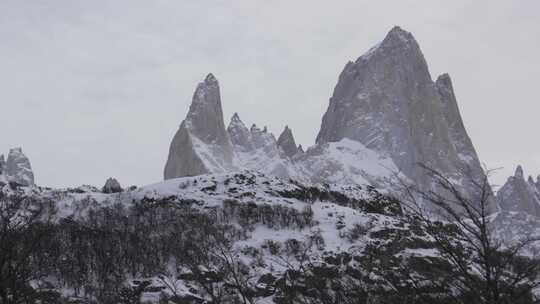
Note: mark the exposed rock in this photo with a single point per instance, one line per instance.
(2, 164)
(239, 134)
(202, 144)
(112, 186)
(286, 142)
(18, 168)
(387, 101)
(520, 195)
(300, 149)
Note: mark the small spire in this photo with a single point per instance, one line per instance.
(444, 79)
(398, 32)
(519, 172)
(210, 78)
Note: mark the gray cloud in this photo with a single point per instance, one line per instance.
(92, 89)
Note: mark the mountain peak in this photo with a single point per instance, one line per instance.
(398, 37)
(398, 32)
(239, 133)
(210, 79)
(286, 142)
(387, 101)
(519, 172)
(203, 125)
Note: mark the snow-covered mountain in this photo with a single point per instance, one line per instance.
(388, 101)
(385, 117)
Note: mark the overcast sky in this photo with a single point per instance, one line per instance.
(92, 89)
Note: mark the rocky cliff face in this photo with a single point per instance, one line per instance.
(520, 195)
(202, 144)
(387, 101)
(17, 168)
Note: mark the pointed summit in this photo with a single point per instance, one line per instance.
(286, 142)
(519, 195)
(202, 144)
(210, 79)
(397, 35)
(519, 172)
(239, 134)
(205, 114)
(387, 101)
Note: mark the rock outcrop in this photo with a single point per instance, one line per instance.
(202, 144)
(387, 101)
(112, 186)
(18, 168)
(286, 142)
(520, 195)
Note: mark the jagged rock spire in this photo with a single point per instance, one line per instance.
(205, 116)
(239, 134)
(286, 142)
(18, 168)
(520, 195)
(202, 144)
(519, 172)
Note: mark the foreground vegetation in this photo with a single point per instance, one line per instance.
(186, 253)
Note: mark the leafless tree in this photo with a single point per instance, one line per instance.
(25, 232)
(486, 270)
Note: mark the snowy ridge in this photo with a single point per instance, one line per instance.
(207, 191)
